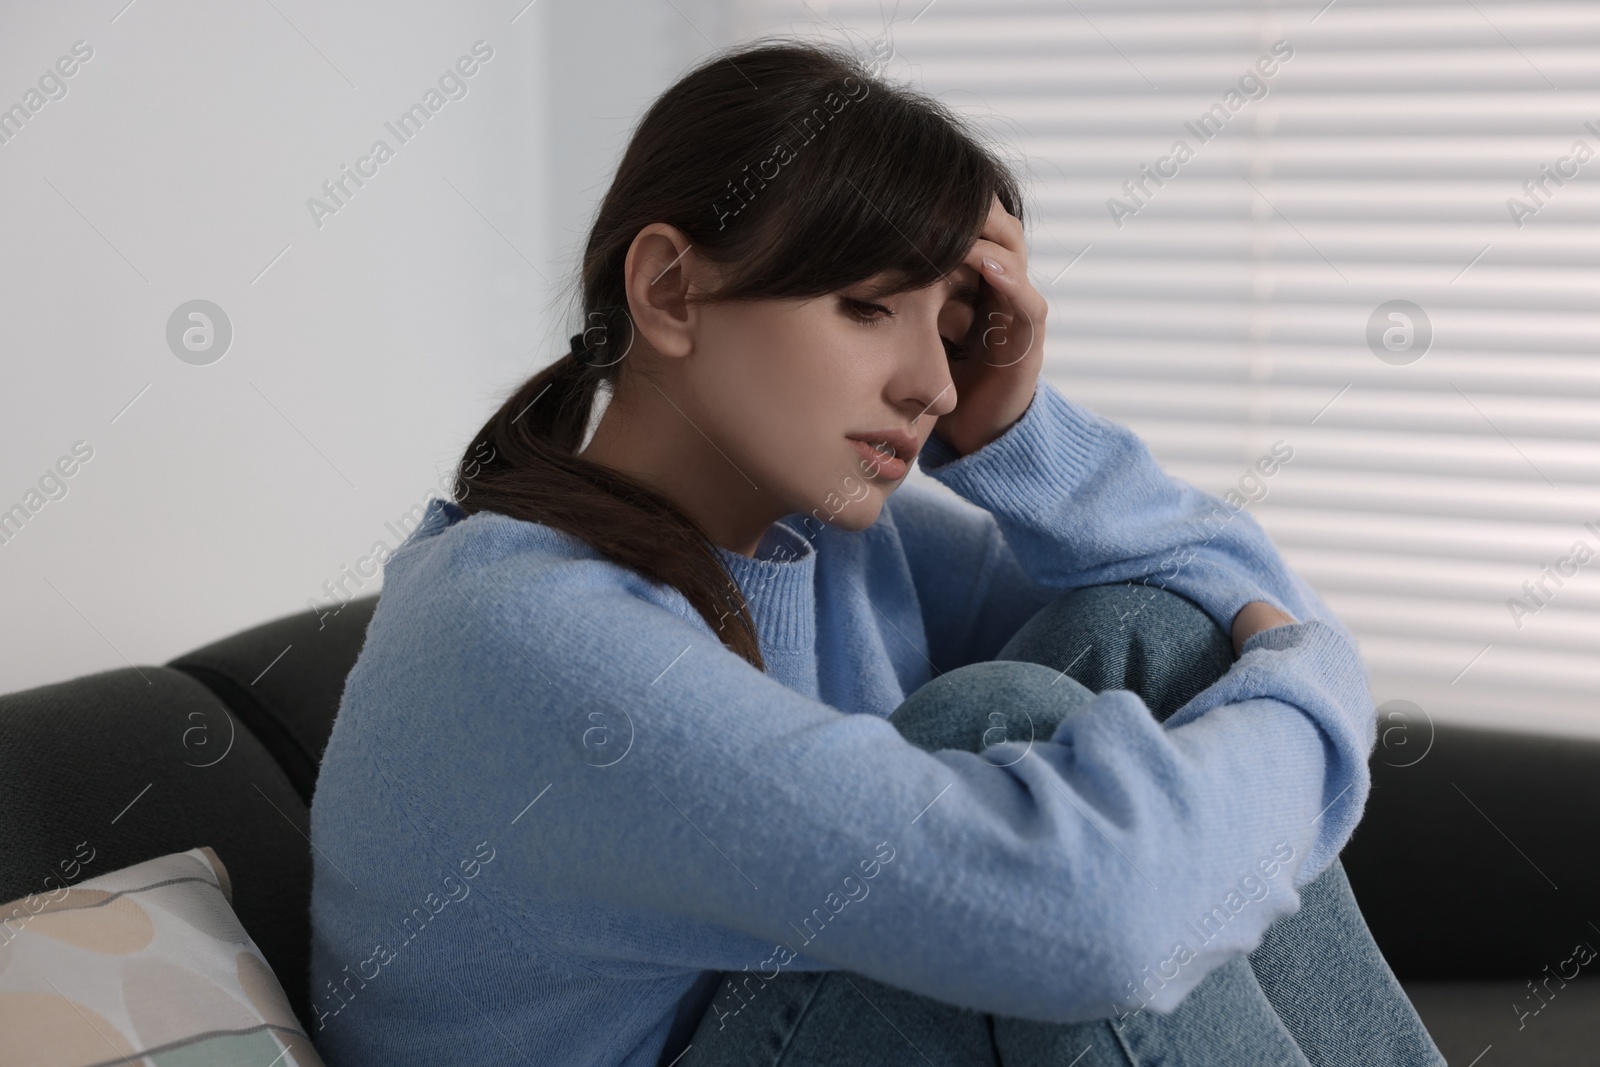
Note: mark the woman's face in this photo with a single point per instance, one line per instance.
(781, 385)
(742, 412)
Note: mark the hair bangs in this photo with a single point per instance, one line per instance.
(894, 189)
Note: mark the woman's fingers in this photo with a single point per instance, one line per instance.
(1010, 314)
(1254, 617)
(1010, 264)
(1007, 272)
(1000, 257)
(1007, 331)
(1004, 228)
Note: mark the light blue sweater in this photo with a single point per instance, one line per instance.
(553, 802)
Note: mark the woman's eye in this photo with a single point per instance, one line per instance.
(863, 310)
(866, 311)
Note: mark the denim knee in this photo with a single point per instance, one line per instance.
(983, 704)
(1127, 635)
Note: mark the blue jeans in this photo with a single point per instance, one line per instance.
(1316, 991)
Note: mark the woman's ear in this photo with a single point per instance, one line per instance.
(659, 275)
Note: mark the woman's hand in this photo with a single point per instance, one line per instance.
(1254, 617)
(996, 383)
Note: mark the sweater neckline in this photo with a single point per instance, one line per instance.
(777, 583)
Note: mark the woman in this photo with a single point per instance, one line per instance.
(690, 735)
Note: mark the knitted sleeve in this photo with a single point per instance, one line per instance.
(1066, 498)
(728, 822)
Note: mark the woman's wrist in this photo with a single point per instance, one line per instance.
(966, 444)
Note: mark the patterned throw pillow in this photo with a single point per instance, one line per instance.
(149, 961)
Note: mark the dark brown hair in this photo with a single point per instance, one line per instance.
(797, 171)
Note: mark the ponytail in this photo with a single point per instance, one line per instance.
(532, 473)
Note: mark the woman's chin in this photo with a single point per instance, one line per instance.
(857, 514)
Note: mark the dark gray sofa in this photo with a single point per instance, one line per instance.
(1476, 865)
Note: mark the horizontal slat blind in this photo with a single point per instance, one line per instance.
(1230, 309)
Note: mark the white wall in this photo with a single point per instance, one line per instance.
(176, 167)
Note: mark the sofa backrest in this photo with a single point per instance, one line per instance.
(219, 747)
(1475, 857)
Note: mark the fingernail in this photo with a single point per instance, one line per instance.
(993, 266)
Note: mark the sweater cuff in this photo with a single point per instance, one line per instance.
(1335, 696)
(1056, 440)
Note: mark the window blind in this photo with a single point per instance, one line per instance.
(1444, 489)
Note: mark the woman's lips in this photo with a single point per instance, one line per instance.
(876, 464)
(904, 443)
